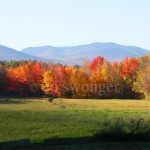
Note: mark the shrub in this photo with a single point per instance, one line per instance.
(119, 129)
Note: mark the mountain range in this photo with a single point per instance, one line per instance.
(73, 54)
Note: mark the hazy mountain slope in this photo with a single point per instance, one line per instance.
(11, 54)
(111, 51)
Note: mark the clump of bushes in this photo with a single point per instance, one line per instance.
(119, 129)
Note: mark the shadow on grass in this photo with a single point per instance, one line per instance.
(72, 143)
(11, 101)
(27, 144)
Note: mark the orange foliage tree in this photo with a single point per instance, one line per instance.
(25, 79)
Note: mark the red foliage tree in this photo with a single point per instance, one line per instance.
(130, 66)
(97, 62)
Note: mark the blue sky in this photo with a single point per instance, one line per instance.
(26, 23)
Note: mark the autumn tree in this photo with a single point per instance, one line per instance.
(96, 68)
(130, 66)
(79, 83)
(97, 63)
(55, 81)
(47, 83)
(3, 80)
(26, 79)
(116, 69)
(142, 84)
(129, 72)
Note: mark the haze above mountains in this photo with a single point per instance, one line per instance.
(72, 55)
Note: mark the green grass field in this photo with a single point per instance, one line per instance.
(39, 119)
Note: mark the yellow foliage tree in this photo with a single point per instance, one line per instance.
(47, 84)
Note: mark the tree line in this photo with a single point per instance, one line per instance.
(96, 79)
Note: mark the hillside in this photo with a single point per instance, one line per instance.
(11, 54)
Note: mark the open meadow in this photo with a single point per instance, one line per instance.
(39, 119)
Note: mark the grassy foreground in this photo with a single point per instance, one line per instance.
(39, 119)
